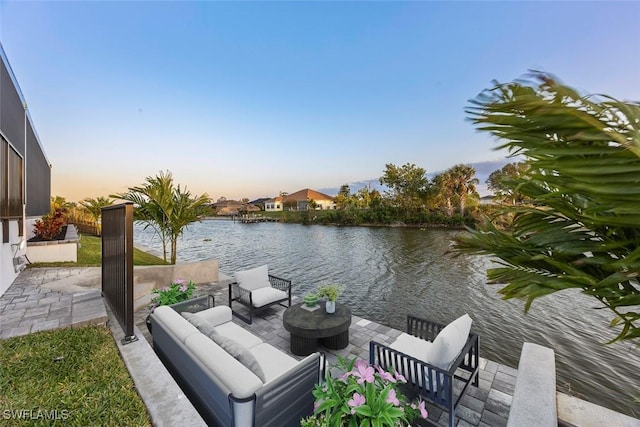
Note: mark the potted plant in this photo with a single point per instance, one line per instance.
(360, 394)
(331, 292)
(310, 300)
(177, 291)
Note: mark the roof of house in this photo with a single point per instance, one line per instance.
(307, 193)
(226, 204)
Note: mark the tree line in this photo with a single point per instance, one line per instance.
(410, 197)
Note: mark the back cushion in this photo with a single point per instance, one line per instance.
(255, 278)
(200, 323)
(240, 353)
(450, 342)
(239, 380)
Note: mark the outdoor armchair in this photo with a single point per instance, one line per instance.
(257, 289)
(434, 358)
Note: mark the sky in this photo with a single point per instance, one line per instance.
(248, 99)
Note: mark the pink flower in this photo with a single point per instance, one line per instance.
(357, 400)
(344, 376)
(401, 378)
(392, 398)
(179, 281)
(423, 411)
(184, 288)
(385, 375)
(364, 373)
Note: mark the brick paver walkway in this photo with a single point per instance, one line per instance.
(50, 298)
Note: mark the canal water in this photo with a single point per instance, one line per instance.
(388, 273)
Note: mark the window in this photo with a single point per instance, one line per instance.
(11, 181)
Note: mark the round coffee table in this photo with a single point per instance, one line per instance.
(307, 328)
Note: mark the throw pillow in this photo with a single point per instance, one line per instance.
(240, 353)
(450, 342)
(203, 326)
(253, 279)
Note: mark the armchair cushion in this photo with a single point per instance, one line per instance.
(254, 278)
(265, 296)
(450, 342)
(413, 346)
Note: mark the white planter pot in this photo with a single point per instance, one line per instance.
(331, 307)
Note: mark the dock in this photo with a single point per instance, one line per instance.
(252, 219)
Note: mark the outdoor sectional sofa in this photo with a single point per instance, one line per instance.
(230, 375)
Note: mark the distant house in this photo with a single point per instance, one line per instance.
(233, 207)
(259, 202)
(299, 201)
(25, 176)
(273, 205)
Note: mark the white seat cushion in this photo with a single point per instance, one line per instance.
(450, 341)
(238, 334)
(273, 362)
(264, 296)
(255, 278)
(413, 346)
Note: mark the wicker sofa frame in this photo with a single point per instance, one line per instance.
(428, 381)
(244, 297)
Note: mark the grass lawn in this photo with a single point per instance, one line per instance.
(70, 377)
(90, 255)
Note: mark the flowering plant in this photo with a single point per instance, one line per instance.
(363, 395)
(178, 290)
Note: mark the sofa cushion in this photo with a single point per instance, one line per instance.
(239, 380)
(238, 334)
(173, 322)
(203, 326)
(255, 278)
(450, 342)
(216, 315)
(264, 296)
(413, 346)
(240, 353)
(273, 361)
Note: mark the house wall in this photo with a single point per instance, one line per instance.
(7, 272)
(25, 178)
(273, 207)
(326, 204)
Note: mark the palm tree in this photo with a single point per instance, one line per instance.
(458, 183)
(464, 184)
(183, 211)
(582, 229)
(165, 208)
(444, 192)
(94, 206)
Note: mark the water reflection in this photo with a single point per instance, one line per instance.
(391, 272)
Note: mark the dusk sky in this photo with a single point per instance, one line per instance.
(246, 99)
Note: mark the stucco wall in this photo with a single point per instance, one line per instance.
(7, 272)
